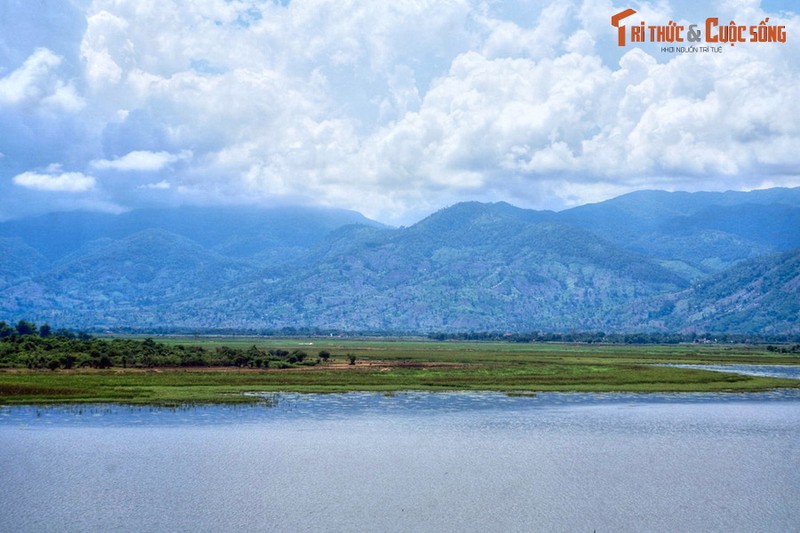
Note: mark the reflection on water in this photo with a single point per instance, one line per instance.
(408, 462)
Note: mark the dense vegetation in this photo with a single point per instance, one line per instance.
(28, 346)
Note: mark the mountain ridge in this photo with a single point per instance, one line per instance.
(646, 261)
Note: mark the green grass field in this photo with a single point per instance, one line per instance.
(396, 365)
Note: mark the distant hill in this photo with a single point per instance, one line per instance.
(18, 261)
(237, 231)
(761, 295)
(471, 266)
(132, 277)
(646, 261)
(696, 233)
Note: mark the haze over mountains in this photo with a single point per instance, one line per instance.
(646, 261)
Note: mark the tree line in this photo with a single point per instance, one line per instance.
(25, 328)
(28, 346)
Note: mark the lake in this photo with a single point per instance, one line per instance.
(408, 462)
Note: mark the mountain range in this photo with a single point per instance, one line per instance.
(655, 261)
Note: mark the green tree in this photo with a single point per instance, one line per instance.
(68, 361)
(225, 355)
(26, 328)
(5, 330)
(352, 358)
(325, 355)
(64, 333)
(242, 359)
(45, 331)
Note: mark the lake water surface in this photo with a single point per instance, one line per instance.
(408, 462)
(770, 371)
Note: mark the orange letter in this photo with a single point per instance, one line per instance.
(710, 22)
(615, 19)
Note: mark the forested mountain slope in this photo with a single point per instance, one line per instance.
(646, 261)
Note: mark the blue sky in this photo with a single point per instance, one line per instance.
(394, 109)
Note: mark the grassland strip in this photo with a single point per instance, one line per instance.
(390, 365)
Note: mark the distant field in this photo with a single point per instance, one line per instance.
(470, 352)
(394, 365)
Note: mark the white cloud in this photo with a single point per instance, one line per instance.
(36, 82)
(29, 81)
(55, 181)
(572, 123)
(103, 45)
(508, 39)
(396, 108)
(64, 97)
(141, 160)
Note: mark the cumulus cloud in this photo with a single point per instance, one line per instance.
(36, 82)
(26, 82)
(394, 108)
(574, 124)
(54, 180)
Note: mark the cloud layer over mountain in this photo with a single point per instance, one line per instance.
(390, 108)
